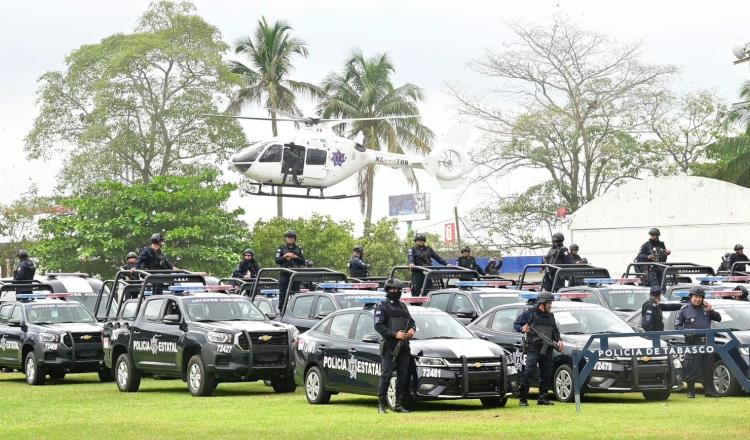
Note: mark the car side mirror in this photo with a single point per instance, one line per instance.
(637, 327)
(14, 323)
(171, 319)
(371, 338)
(270, 316)
(466, 313)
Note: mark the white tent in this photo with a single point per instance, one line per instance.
(700, 220)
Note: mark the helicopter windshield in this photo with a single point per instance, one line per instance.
(245, 158)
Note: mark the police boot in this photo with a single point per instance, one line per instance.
(691, 390)
(543, 399)
(523, 395)
(382, 405)
(399, 408)
(708, 390)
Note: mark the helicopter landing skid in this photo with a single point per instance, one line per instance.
(257, 190)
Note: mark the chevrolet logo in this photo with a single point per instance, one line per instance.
(265, 338)
(478, 365)
(646, 359)
(86, 337)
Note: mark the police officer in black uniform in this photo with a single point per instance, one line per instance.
(130, 264)
(248, 267)
(652, 319)
(289, 256)
(533, 322)
(357, 266)
(466, 260)
(697, 314)
(421, 255)
(557, 254)
(725, 266)
(26, 268)
(394, 323)
(575, 256)
(152, 257)
(653, 251)
(493, 266)
(738, 255)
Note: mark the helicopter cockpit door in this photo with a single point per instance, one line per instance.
(315, 163)
(293, 164)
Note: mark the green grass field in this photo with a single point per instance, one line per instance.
(82, 408)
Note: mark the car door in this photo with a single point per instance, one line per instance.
(7, 353)
(499, 330)
(168, 335)
(15, 334)
(323, 307)
(144, 334)
(462, 309)
(315, 163)
(367, 355)
(299, 313)
(338, 358)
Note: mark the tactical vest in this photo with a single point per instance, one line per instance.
(543, 323)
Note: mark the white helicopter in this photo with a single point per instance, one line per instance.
(315, 158)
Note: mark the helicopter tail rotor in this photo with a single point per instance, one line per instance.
(448, 165)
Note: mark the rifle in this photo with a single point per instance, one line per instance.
(546, 339)
(400, 344)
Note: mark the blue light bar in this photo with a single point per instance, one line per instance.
(41, 295)
(528, 295)
(347, 286)
(269, 292)
(712, 279)
(369, 299)
(599, 281)
(715, 294)
(484, 283)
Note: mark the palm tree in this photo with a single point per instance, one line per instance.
(364, 90)
(734, 152)
(269, 54)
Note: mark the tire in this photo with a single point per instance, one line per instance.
(200, 383)
(105, 375)
(407, 401)
(494, 402)
(34, 371)
(562, 384)
(57, 375)
(127, 377)
(285, 385)
(315, 387)
(656, 395)
(724, 383)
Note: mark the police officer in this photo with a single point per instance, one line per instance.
(248, 267)
(697, 314)
(394, 323)
(724, 266)
(130, 261)
(653, 251)
(557, 254)
(493, 266)
(466, 260)
(652, 319)
(575, 256)
(152, 257)
(738, 255)
(421, 255)
(533, 322)
(289, 256)
(357, 266)
(26, 268)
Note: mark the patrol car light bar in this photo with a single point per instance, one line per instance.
(572, 295)
(724, 279)
(484, 283)
(215, 288)
(38, 295)
(269, 292)
(416, 300)
(710, 294)
(347, 286)
(605, 281)
(528, 295)
(370, 299)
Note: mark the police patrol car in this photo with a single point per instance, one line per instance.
(199, 335)
(469, 299)
(735, 316)
(655, 377)
(41, 333)
(341, 353)
(80, 286)
(621, 295)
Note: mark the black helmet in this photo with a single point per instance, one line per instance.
(466, 249)
(309, 263)
(654, 231)
(574, 247)
(697, 290)
(557, 236)
(132, 254)
(727, 255)
(249, 251)
(738, 247)
(655, 290)
(358, 248)
(290, 233)
(420, 237)
(157, 237)
(544, 297)
(393, 283)
(22, 253)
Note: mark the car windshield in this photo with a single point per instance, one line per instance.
(222, 309)
(88, 299)
(628, 300)
(58, 313)
(734, 318)
(348, 301)
(487, 301)
(590, 321)
(439, 325)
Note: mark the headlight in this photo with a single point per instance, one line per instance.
(430, 362)
(219, 338)
(49, 337)
(745, 351)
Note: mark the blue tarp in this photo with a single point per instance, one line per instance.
(510, 264)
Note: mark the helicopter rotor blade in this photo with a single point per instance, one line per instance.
(286, 114)
(379, 118)
(253, 118)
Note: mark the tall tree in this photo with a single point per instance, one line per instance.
(129, 107)
(364, 89)
(265, 76)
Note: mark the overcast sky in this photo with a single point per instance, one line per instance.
(430, 43)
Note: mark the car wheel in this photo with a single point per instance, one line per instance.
(200, 382)
(127, 377)
(57, 374)
(105, 375)
(656, 395)
(724, 383)
(34, 371)
(407, 401)
(315, 389)
(562, 384)
(494, 402)
(285, 385)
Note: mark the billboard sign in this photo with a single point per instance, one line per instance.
(409, 207)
